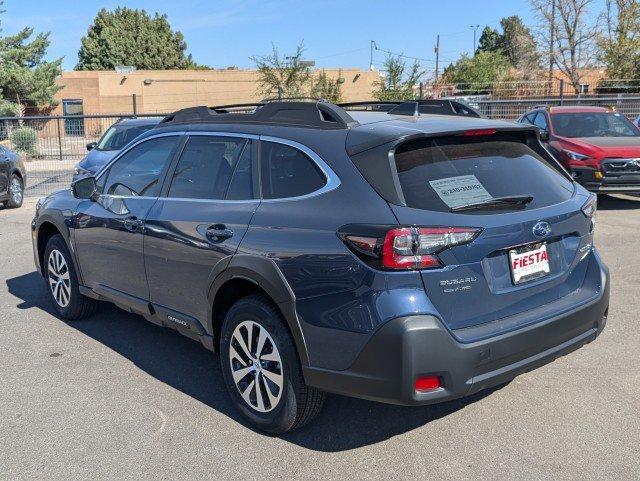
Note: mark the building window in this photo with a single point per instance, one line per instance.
(71, 107)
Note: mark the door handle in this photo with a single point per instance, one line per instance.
(218, 233)
(132, 223)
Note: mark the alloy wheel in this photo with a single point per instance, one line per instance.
(59, 280)
(16, 191)
(256, 366)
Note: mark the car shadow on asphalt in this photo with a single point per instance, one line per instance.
(344, 423)
(608, 202)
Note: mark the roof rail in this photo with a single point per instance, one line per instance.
(415, 107)
(438, 107)
(370, 105)
(318, 114)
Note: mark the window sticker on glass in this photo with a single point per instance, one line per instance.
(461, 190)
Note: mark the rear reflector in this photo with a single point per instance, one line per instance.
(427, 383)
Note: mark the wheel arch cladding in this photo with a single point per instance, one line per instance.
(45, 232)
(246, 275)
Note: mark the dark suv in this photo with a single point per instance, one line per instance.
(112, 141)
(411, 254)
(13, 178)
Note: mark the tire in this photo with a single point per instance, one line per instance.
(284, 408)
(59, 270)
(16, 192)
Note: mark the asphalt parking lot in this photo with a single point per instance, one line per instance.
(115, 397)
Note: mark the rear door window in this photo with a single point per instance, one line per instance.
(206, 167)
(288, 172)
(443, 173)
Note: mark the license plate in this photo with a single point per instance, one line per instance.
(529, 262)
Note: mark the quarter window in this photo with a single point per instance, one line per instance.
(138, 171)
(206, 167)
(288, 172)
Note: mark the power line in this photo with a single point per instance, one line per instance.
(402, 55)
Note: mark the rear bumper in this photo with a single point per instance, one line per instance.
(408, 347)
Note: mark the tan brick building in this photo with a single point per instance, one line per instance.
(161, 91)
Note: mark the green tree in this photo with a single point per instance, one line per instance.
(520, 47)
(619, 44)
(477, 74)
(325, 87)
(399, 81)
(516, 42)
(490, 41)
(9, 109)
(283, 76)
(132, 37)
(26, 79)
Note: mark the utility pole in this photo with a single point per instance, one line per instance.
(437, 51)
(552, 31)
(373, 46)
(475, 30)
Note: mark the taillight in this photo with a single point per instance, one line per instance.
(405, 248)
(589, 209)
(590, 206)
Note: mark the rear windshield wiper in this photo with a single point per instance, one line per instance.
(496, 203)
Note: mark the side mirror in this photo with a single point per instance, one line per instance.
(91, 145)
(544, 135)
(85, 188)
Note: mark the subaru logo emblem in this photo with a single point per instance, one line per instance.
(541, 230)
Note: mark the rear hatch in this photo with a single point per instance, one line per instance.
(532, 231)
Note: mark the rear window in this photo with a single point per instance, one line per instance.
(444, 174)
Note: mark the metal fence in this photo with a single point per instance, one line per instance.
(52, 145)
(59, 142)
(511, 109)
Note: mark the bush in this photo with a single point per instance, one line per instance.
(24, 140)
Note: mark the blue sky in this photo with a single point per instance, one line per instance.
(221, 33)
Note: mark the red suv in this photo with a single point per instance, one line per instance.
(599, 146)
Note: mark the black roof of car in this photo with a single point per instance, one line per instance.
(364, 124)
